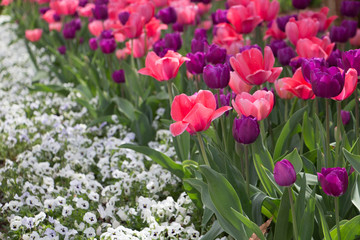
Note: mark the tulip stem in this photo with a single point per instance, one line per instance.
(286, 110)
(247, 170)
(338, 133)
(293, 214)
(222, 123)
(357, 118)
(327, 123)
(202, 149)
(170, 92)
(293, 107)
(336, 200)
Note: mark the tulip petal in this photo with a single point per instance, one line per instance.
(257, 78)
(180, 107)
(275, 73)
(349, 86)
(206, 98)
(199, 118)
(220, 112)
(178, 128)
(269, 58)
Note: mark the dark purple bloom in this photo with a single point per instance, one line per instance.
(118, 76)
(200, 33)
(106, 34)
(245, 129)
(217, 76)
(167, 15)
(309, 65)
(350, 26)
(351, 59)
(56, 17)
(295, 64)
(215, 54)
(284, 173)
(62, 50)
(345, 117)
(101, 2)
(276, 45)
(177, 27)
(196, 63)
(69, 31)
(82, 3)
(100, 12)
(327, 82)
(338, 34)
(350, 8)
(198, 45)
(173, 41)
(334, 59)
(219, 16)
(93, 43)
(244, 48)
(43, 10)
(334, 181)
(124, 17)
(301, 4)
(285, 55)
(282, 21)
(107, 45)
(77, 23)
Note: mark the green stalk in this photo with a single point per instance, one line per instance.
(202, 149)
(293, 214)
(170, 92)
(286, 114)
(357, 119)
(222, 123)
(327, 123)
(336, 200)
(338, 133)
(293, 107)
(247, 170)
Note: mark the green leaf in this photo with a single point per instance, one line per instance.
(125, 107)
(247, 222)
(348, 229)
(295, 159)
(40, 75)
(286, 132)
(89, 107)
(182, 145)
(49, 88)
(353, 159)
(214, 231)
(282, 223)
(308, 132)
(159, 158)
(355, 193)
(307, 220)
(102, 119)
(324, 224)
(143, 129)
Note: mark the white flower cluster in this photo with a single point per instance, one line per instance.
(63, 179)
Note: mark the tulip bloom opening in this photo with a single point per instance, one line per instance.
(334, 181)
(284, 173)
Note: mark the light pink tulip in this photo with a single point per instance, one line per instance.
(238, 85)
(314, 47)
(304, 28)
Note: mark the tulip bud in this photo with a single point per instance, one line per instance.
(200, 33)
(245, 129)
(62, 50)
(301, 4)
(93, 43)
(173, 41)
(107, 45)
(69, 31)
(334, 59)
(285, 55)
(217, 76)
(350, 26)
(276, 45)
(334, 181)
(198, 45)
(215, 54)
(345, 117)
(351, 59)
(284, 173)
(178, 27)
(219, 16)
(244, 48)
(338, 34)
(167, 15)
(196, 63)
(118, 76)
(282, 21)
(124, 17)
(350, 8)
(100, 12)
(327, 82)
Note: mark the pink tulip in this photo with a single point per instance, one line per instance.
(298, 86)
(320, 16)
(163, 69)
(258, 105)
(274, 32)
(253, 68)
(5, 2)
(305, 28)
(314, 47)
(194, 113)
(139, 46)
(55, 26)
(226, 37)
(134, 26)
(281, 91)
(146, 9)
(86, 11)
(349, 85)
(64, 7)
(203, 8)
(238, 85)
(96, 27)
(266, 10)
(244, 19)
(33, 35)
(186, 14)
(153, 29)
(355, 41)
(238, 2)
(49, 16)
(160, 3)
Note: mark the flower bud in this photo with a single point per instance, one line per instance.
(167, 15)
(301, 4)
(284, 173)
(245, 129)
(338, 34)
(93, 44)
(276, 45)
(100, 12)
(62, 50)
(345, 117)
(282, 21)
(215, 54)
(118, 76)
(107, 45)
(217, 76)
(334, 181)
(196, 64)
(350, 26)
(124, 17)
(350, 8)
(327, 82)
(219, 16)
(285, 55)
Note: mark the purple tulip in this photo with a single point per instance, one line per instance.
(177, 27)
(215, 54)
(69, 31)
(173, 41)
(301, 4)
(93, 44)
(334, 59)
(62, 50)
(351, 59)
(43, 10)
(197, 62)
(309, 65)
(124, 17)
(327, 82)
(200, 34)
(56, 17)
(276, 45)
(198, 45)
(284, 173)
(118, 76)
(350, 26)
(105, 34)
(167, 15)
(339, 34)
(219, 16)
(296, 63)
(282, 21)
(244, 48)
(82, 3)
(285, 55)
(350, 8)
(100, 12)
(245, 129)
(107, 45)
(334, 181)
(217, 76)
(345, 117)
